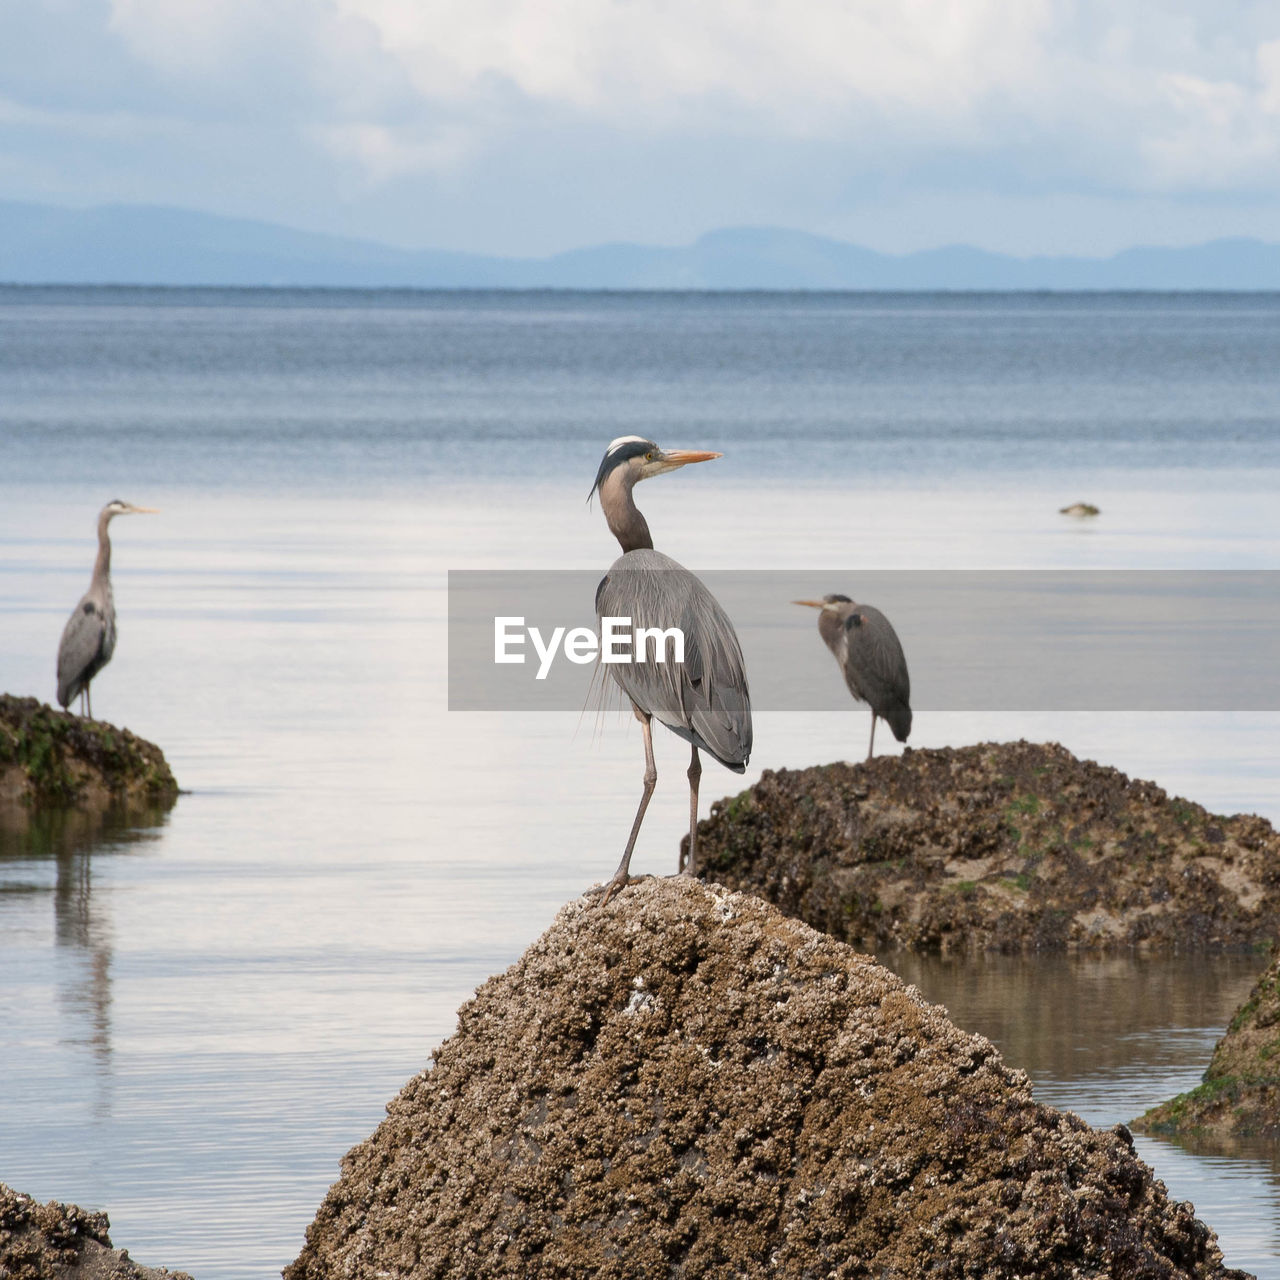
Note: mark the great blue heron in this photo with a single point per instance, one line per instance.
(89, 638)
(703, 699)
(869, 652)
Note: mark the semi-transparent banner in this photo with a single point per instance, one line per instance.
(1009, 640)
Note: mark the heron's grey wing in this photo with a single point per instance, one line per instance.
(705, 699)
(635, 588)
(875, 668)
(81, 651)
(717, 700)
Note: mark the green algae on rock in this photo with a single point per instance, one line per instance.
(1000, 846)
(688, 1083)
(52, 758)
(1240, 1096)
(63, 1242)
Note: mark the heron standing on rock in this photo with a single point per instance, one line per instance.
(89, 638)
(869, 652)
(703, 699)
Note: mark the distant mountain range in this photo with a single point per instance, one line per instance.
(140, 244)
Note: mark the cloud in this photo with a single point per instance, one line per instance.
(1216, 135)
(790, 63)
(1268, 59)
(398, 86)
(304, 58)
(383, 154)
(627, 110)
(107, 126)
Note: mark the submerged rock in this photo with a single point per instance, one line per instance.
(688, 1083)
(1240, 1096)
(1000, 846)
(50, 758)
(63, 1242)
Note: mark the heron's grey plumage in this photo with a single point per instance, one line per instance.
(870, 655)
(89, 638)
(705, 699)
(88, 641)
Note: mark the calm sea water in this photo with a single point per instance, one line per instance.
(202, 1010)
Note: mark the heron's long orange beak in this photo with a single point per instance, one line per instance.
(682, 457)
(143, 511)
(813, 604)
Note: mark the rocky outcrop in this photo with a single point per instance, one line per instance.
(1240, 1096)
(687, 1083)
(49, 758)
(62, 1242)
(1000, 846)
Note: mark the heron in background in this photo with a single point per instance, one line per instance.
(869, 652)
(703, 700)
(89, 638)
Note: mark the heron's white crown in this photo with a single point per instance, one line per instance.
(615, 445)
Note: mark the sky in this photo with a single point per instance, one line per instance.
(525, 127)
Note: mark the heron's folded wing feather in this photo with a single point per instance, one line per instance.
(876, 669)
(80, 647)
(705, 699)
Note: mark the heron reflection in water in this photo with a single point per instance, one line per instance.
(704, 699)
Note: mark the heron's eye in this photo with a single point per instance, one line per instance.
(648, 457)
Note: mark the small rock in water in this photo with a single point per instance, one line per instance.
(1000, 846)
(63, 1242)
(1080, 509)
(1240, 1095)
(52, 759)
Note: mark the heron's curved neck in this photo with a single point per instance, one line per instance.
(102, 565)
(623, 516)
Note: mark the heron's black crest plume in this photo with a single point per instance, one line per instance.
(621, 450)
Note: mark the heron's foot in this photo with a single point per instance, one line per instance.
(687, 872)
(607, 891)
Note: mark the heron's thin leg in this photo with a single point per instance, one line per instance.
(690, 867)
(650, 781)
(871, 749)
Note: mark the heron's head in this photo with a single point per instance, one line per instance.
(832, 604)
(118, 507)
(638, 459)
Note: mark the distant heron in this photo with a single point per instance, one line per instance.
(869, 652)
(89, 638)
(704, 699)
